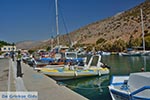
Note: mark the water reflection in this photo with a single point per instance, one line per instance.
(121, 65)
(87, 83)
(144, 63)
(95, 88)
(90, 87)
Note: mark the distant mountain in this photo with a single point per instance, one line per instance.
(120, 26)
(27, 44)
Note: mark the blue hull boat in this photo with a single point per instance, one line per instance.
(136, 86)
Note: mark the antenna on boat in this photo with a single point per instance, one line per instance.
(57, 27)
(142, 30)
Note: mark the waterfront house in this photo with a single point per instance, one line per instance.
(8, 48)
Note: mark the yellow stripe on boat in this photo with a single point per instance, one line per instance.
(48, 70)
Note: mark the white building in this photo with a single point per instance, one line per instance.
(8, 48)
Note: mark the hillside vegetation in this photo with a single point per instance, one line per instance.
(3, 43)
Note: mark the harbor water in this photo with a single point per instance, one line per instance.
(96, 88)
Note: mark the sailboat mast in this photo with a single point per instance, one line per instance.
(142, 30)
(57, 27)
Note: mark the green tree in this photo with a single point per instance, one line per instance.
(2, 43)
(137, 42)
(119, 45)
(97, 48)
(89, 48)
(130, 44)
(147, 42)
(100, 40)
(48, 48)
(134, 42)
(107, 46)
(31, 51)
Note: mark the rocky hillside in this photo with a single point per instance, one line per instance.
(120, 26)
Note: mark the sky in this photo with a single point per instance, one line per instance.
(22, 20)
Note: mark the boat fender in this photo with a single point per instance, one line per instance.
(99, 72)
(75, 73)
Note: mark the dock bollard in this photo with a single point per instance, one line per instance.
(19, 71)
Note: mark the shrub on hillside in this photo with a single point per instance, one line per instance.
(100, 40)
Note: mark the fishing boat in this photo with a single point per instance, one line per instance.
(136, 86)
(93, 68)
(57, 62)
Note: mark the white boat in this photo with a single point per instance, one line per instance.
(130, 53)
(145, 53)
(136, 86)
(60, 74)
(94, 68)
(105, 53)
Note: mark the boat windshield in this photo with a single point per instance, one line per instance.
(71, 55)
(94, 61)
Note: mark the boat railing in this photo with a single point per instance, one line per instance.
(94, 61)
(133, 97)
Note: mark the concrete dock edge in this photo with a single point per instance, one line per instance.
(47, 88)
